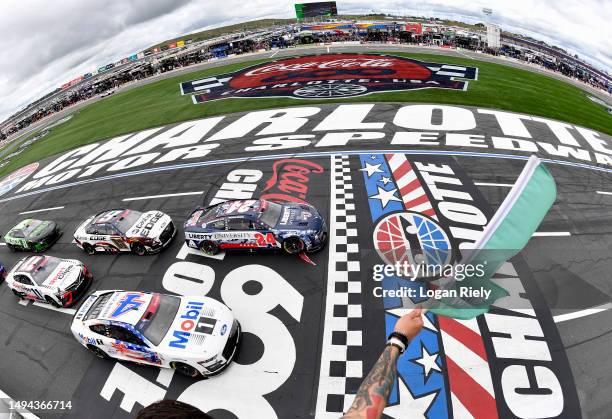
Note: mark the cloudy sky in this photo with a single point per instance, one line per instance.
(46, 43)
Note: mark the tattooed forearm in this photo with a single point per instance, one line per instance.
(372, 395)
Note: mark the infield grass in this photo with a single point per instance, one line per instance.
(160, 103)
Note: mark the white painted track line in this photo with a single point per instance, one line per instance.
(168, 195)
(40, 210)
(604, 193)
(2, 244)
(582, 313)
(69, 311)
(551, 234)
(503, 185)
(165, 376)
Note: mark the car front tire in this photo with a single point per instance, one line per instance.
(89, 249)
(138, 248)
(11, 247)
(209, 247)
(52, 302)
(98, 352)
(185, 369)
(293, 245)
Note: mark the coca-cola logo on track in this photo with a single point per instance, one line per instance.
(330, 76)
(289, 181)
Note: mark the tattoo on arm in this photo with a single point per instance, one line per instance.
(372, 395)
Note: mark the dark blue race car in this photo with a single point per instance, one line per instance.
(2, 273)
(255, 224)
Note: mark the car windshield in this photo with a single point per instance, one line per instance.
(40, 267)
(270, 213)
(127, 219)
(158, 318)
(18, 234)
(30, 227)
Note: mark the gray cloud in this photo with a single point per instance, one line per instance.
(45, 44)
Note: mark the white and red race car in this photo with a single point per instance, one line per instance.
(196, 336)
(59, 282)
(124, 230)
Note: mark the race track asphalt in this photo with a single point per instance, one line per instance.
(42, 361)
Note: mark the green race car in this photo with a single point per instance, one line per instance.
(32, 235)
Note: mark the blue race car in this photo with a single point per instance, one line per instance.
(256, 224)
(2, 273)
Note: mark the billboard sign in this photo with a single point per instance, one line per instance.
(320, 8)
(493, 36)
(11, 181)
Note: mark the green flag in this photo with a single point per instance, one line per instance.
(507, 234)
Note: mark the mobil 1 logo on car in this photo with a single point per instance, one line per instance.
(506, 363)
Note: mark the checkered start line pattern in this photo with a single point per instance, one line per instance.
(342, 350)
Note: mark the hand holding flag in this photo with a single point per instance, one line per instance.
(506, 235)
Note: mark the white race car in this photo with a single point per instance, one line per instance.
(194, 335)
(59, 282)
(124, 230)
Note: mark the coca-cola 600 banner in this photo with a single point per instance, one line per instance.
(330, 76)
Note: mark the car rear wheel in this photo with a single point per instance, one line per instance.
(185, 369)
(52, 302)
(293, 245)
(98, 352)
(89, 249)
(19, 295)
(139, 249)
(209, 247)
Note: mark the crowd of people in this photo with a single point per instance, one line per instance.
(290, 36)
(84, 91)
